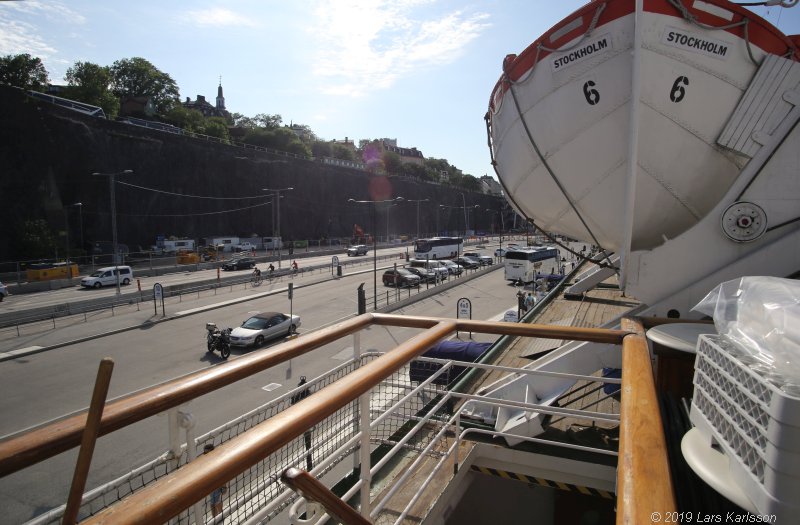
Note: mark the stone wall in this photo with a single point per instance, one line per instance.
(49, 154)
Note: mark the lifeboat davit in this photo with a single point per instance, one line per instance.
(564, 133)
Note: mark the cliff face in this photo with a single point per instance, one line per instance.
(49, 154)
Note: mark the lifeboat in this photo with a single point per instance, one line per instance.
(608, 127)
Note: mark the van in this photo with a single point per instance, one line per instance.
(433, 265)
(108, 277)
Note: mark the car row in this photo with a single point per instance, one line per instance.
(400, 277)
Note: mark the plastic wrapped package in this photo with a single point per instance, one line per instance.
(761, 315)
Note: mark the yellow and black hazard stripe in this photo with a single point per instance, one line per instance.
(587, 491)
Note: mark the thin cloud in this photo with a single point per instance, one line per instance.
(22, 26)
(219, 17)
(368, 45)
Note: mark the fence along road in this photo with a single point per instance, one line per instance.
(49, 385)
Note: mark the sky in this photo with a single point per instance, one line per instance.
(419, 71)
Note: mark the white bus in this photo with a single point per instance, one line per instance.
(521, 264)
(437, 247)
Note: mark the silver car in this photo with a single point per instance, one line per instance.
(263, 327)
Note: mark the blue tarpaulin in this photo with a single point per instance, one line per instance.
(455, 350)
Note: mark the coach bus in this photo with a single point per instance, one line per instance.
(437, 248)
(521, 264)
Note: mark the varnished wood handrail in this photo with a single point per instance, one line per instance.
(168, 496)
(37, 445)
(644, 484)
(312, 489)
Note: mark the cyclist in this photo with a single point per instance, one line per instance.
(256, 275)
(271, 268)
(294, 267)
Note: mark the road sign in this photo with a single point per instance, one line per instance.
(464, 309)
(511, 316)
(291, 290)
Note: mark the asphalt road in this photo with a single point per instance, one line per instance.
(48, 385)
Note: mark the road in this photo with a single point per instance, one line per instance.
(45, 386)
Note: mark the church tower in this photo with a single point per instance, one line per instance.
(220, 98)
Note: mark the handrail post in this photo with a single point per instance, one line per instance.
(310, 488)
(644, 483)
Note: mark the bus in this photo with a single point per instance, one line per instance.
(437, 247)
(521, 264)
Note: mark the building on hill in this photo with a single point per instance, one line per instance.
(347, 143)
(412, 155)
(203, 106)
(491, 186)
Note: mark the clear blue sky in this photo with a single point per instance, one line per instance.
(420, 71)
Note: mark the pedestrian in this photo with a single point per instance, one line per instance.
(216, 496)
(521, 303)
(530, 301)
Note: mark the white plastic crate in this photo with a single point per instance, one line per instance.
(757, 424)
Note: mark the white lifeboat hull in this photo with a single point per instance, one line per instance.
(560, 121)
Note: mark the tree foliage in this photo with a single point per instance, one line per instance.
(340, 151)
(321, 148)
(23, 71)
(34, 238)
(392, 163)
(137, 77)
(91, 83)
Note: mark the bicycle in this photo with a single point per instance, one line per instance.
(256, 279)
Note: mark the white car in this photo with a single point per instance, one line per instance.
(501, 252)
(263, 327)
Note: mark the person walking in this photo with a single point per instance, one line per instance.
(530, 301)
(216, 496)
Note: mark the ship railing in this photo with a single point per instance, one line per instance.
(238, 460)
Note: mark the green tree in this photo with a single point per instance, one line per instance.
(321, 148)
(137, 77)
(23, 71)
(268, 121)
(91, 83)
(34, 239)
(470, 183)
(339, 151)
(217, 127)
(242, 121)
(392, 162)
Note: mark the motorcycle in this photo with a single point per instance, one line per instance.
(218, 340)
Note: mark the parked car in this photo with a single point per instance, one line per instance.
(467, 262)
(246, 246)
(452, 268)
(3, 292)
(501, 252)
(485, 260)
(263, 327)
(434, 265)
(239, 263)
(400, 277)
(425, 276)
(357, 249)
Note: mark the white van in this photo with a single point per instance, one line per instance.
(430, 265)
(108, 277)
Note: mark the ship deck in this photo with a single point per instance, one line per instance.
(596, 308)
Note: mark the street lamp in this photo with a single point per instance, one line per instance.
(375, 243)
(114, 217)
(276, 224)
(418, 201)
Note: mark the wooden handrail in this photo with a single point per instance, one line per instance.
(37, 445)
(310, 488)
(170, 495)
(644, 484)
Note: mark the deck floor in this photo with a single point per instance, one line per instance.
(597, 308)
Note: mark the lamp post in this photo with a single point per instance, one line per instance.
(114, 217)
(464, 205)
(418, 201)
(79, 205)
(276, 224)
(375, 243)
(465, 208)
